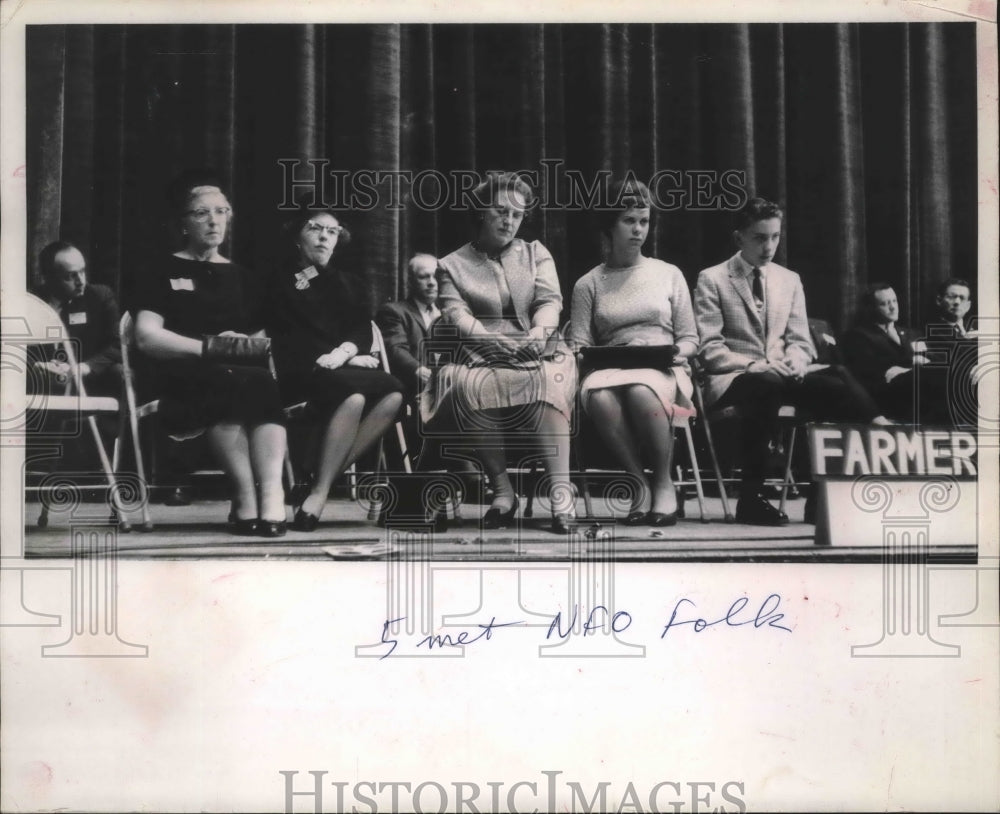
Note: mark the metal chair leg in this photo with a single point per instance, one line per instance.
(116, 508)
(788, 471)
(696, 472)
(726, 510)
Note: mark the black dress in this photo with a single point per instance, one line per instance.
(196, 298)
(309, 316)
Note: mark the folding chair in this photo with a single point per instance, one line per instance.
(46, 328)
(134, 412)
(297, 411)
(129, 424)
(681, 424)
(380, 353)
(786, 414)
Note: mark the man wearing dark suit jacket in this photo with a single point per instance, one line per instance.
(406, 325)
(90, 314)
(953, 345)
(885, 356)
(756, 350)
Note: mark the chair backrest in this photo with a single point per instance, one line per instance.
(45, 327)
(378, 347)
(126, 334)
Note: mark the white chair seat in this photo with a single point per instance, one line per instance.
(84, 405)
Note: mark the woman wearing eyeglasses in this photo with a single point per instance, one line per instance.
(501, 295)
(197, 292)
(322, 339)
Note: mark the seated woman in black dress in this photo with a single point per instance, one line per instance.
(322, 336)
(197, 292)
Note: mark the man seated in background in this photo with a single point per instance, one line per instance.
(756, 353)
(953, 302)
(91, 316)
(953, 345)
(886, 356)
(406, 326)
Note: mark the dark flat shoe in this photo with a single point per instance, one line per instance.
(496, 519)
(636, 518)
(245, 528)
(272, 528)
(661, 519)
(754, 510)
(304, 521)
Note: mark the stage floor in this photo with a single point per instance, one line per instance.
(198, 531)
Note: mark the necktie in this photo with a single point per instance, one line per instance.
(758, 288)
(893, 334)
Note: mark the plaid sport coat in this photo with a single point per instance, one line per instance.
(732, 333)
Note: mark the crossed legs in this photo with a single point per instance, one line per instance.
(348, 433)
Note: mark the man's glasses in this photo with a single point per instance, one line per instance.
(202, 215)
(318, 228)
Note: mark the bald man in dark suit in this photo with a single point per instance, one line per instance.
(886, 356)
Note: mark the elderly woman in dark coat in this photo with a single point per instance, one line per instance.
(322, 341)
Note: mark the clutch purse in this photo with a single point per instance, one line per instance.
(251, 351)
(629, 357)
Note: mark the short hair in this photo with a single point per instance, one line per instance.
(485, 193)
(299, 216)
(757, 209)
(47, 257)
(417, 256)
(181, 189)
(943, 288)
(408, 270)
(624, 194)
(868, 304)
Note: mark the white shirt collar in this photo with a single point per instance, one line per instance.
(747, 269)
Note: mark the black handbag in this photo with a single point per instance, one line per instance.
(251, 351)
(629, 357)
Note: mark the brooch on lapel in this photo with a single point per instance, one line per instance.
(303, 277)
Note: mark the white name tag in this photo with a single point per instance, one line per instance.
(78, 318)
(829, 339)
(181, 284)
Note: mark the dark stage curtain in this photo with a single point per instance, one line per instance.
(865, 132)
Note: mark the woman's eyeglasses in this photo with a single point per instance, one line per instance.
(202, 215)
(318, 228)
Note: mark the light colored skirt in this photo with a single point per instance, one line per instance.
(673, 388)
(460, 391)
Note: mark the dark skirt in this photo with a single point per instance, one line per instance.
(326, 390)
(195, 395)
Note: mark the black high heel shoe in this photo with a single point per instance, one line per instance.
(496, 519)
(304, 521)
(272, 528)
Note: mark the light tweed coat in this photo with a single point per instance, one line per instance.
(731, 331)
